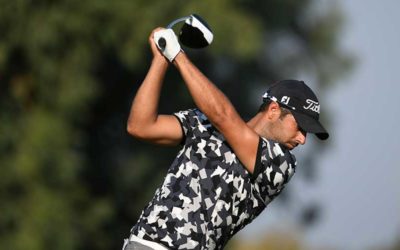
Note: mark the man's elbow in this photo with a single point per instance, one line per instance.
(135, 130)
(130, 129)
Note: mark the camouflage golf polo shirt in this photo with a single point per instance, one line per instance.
(208, 195)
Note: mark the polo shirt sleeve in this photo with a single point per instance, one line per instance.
(275, 166)
(190, 120)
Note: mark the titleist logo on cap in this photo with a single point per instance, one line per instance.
(312, 105)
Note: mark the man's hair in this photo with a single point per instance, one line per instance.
(264, 106)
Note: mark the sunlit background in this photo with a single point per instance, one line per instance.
(72, 178)
(357, 185)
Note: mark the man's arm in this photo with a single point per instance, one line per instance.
(144, 121)
(219, 110)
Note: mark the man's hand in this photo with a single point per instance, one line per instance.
(167, 43)
(157, 55)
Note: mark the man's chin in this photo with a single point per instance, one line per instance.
(290, 146)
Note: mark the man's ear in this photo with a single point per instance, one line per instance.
(274, 111)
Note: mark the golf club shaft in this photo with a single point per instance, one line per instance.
(169, 26)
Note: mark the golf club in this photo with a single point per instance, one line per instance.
(195, 32)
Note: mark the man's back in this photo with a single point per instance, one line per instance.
(207, 195)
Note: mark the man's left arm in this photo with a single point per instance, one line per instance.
(220, 111)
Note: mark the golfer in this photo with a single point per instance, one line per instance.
(227, 170)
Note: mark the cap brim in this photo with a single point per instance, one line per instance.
(310, 125)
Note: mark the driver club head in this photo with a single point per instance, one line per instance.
(195, 32)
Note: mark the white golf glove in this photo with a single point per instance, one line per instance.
(172, 46)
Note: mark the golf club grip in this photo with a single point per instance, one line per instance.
(162, 43)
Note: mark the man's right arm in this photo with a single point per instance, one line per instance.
(220, 112)
(144, 121)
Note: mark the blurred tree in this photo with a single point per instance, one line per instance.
(71, 176)
(272, 241)
(396, 245)
(388, 246)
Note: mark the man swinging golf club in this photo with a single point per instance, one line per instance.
(227, 170)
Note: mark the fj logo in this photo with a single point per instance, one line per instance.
(312, 105)
(285, 100)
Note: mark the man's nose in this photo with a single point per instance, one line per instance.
(301, 137)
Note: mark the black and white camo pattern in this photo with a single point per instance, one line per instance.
(207, 195)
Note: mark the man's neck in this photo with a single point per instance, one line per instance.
(258, 124)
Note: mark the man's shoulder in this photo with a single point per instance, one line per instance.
(193, 117)
(190, 113)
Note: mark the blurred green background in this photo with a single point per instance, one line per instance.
(71, 176)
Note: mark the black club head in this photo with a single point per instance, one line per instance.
(195, 32)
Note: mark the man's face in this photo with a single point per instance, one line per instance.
(287, 132)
